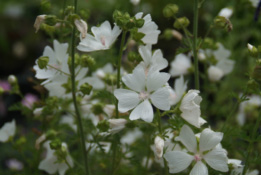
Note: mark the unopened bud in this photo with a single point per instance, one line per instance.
(117, 124)
(257, 73)
(103, 126)
(223, 22)
(40, 140)
(177, 35)
(43, 62)
(50, 20)
(252, 50)
(86, 88)
(12, 79)
(170, 10)
(182, 22)
(159, 145)
(38, 21)
(140, 22)
(87, 61)
(98, 108)
(82, 27)
(133, 56)
(56, 144)
(253, 86)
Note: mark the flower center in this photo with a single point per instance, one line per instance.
(197, 157)
(103, 40)
(144, 95)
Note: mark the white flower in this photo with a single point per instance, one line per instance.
(180, 65)
(50, 164)
(150, 29)
(177, 93)
(238, 168)
(250, 46)
(14, 164)
(131, 136)
(39, 141)
(214, 73)
(254, 2)
(152, 62)
(135, 2)
(159, 145)
(226, 12)
(103, 38)
(117, 124)
(82, 27)
(58, 59)
(38, 21)
(142, 90)
(254, 101)
(69, 120)
(205, 150)
(7, 131)
(190, 108)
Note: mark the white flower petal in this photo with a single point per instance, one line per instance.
(226, 65)
(178, 161)
(199, 169)
(127, 99)
(7, 131)
(145, 52)
(135, 81)
(160, 98)
(180, 65)
(143, 111)
(209, 139)
(188, 139)
(156, 80)
(217, 159)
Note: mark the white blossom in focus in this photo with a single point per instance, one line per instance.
(150, 29)
(142, 91)
(206, 151)
(50, 165)
(180, 65)
(190, 108)
(104, 37)
(7, 131)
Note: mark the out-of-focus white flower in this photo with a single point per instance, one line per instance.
(14, 164)
(180, 88)
(116, 125)
(201, 55)
(12, 79)
(142, 90)
(254, 101)
(214, 73)
(226, 12)
(37, 112)
(38, 21)
(250, 46)
(50, 164)
(152, 62)
(190, 108)
(135, 2)
(29, 99)
(238, 168)
(69, 120)
(131, 136)
(150, 29)
(82, 27)
(159, 145)
(180, 65)
(254, 2)
(7, 131)
(206, 150)
(58, 59)
(103, 38)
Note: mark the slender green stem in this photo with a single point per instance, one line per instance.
(159, 121)
(195, 36)
(251, 144)
(119, 68)
(77, 111)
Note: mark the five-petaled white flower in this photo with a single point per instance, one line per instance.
(7, 131)
(103, 38)
(142, 90)
(150, 29)
(207, 149)
(50, 164)
(190, 108)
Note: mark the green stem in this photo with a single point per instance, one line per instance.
(195, 35)
(77, 111)
(119, 68)
(159, 121)
(250, 146)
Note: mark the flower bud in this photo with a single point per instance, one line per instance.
(38, 21)
(12, 79)
(117, 124)
(214, 73)
(257, 73)
(81, 26)
(45, 5)
(56, 144)
(170, 10)
(223, 22)
(110, 79)
(140, 22)
(86, 88)
(169, 33)
(182, 22)
(252, 50)
(159, 145)
(39, 141)
(131, 23)
(1, 90)
(37, 112)
(97, 108)
(43, 62)
(87, 61)
(50, 20)
(50, 134)
(103, 126)
(253, 86)
(133, 56)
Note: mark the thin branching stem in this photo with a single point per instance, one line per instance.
(195, 36)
